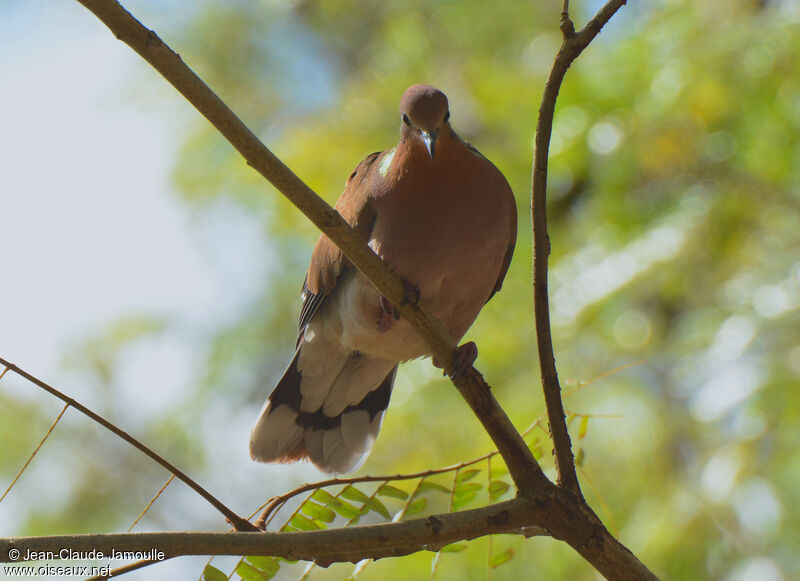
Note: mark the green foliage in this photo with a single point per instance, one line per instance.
(211, 573)
(427, 485)
(250, 572)
(389, 490)
(501, 558)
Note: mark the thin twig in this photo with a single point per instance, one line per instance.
(609, 515)
(238, 522)
(582, 384)
(489, 541)
(47, 435)
(278, 501)
(572, 46)
(149, 504)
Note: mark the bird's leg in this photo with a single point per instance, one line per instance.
(410, 293)
(389, 312)
(466, 355)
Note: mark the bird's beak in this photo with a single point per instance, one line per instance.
(429, 137)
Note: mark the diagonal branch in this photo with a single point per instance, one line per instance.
(524, 469)
(238, 522)
(572, 46)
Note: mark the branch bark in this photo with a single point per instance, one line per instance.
(572, 46)
(554, 515)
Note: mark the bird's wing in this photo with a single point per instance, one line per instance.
(327, 260)
(512, 233)
(512, 241)
(504, 268)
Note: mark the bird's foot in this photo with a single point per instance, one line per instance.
(411, 293)
(389, 312)
(466, 355)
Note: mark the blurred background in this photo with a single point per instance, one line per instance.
(149, 273)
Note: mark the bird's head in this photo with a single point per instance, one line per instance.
(424, 111)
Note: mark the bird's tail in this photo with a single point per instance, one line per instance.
(329, 414)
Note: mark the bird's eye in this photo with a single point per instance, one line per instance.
(406, 120)
(447, 116)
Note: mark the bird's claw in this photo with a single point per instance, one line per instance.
(465, 356)
(411, 293)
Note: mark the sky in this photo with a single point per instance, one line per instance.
(91, 226)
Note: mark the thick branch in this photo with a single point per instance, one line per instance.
(523, 468)
(239, 523)
(559, 514)
(573, 45)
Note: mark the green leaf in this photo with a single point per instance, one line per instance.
(345, 509)
(466, 475)
(468, 488)
(501, 558)
(389, 490)
(497, 488)
(426, 486)
(379, 507)
(211, 573)
(341, 507)
(417, 506)
(465, 493)
(268, 565)
(353, 493)
(583, 427)
(304, 523)
(318, 512)
(463, 500)
(454, 548)
(536, 448)
(249, 573)
(498, 472)
(323, 497)
(372, 503)
(580, 457)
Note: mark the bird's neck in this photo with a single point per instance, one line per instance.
(412, 155)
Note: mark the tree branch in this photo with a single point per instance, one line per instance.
(554, 515)
(238, 522)
(572, 46)
(524, 469)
